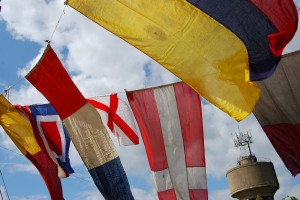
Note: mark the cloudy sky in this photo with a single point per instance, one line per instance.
(100, 63)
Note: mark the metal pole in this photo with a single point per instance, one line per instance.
(1, 194)
(4, 186)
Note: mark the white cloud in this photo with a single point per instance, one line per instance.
(101, 63)
(30, 197)
(29, 167)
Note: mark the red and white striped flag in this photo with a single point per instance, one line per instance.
(170, 121)
(117, 116)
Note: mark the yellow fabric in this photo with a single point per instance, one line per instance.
(90, 137)
(17, 128)
(187, 42)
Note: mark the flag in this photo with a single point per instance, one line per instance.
(83, 124)
(217, 47)
(278, 110)
(117, 115)
(54, 136)
(19, 129)
(170, 121)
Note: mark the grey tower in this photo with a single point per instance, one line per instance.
(250, 178)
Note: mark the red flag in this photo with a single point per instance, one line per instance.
(170, 121)
(278, 110)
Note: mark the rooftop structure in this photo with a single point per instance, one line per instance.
(251, 178)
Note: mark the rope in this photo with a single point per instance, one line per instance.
(6, 91)
(63, 12)
(11, 151)
(71, 175)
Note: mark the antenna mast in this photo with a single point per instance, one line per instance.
(242, 140)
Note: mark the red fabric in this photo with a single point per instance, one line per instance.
(284, 138)
(48, 170)
(151, 108)
(198, 194)
(113, 109)
(43, 162)
(190, 114)
(51, 79)
(167, 195)
(154, 142)
(117, 120)
(52, 134)
(283, 14)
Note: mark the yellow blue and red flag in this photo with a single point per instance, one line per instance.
(217, 47)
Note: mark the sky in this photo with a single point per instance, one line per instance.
(100, 63)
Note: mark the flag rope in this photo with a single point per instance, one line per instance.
(63, 12)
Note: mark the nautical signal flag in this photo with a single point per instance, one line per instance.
(170, 121)
(83, 124)
(117, 116)
(217, 47)
(278, 110)
(19, 129)
(54, 135)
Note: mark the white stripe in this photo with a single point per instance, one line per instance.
(197, 177)
(162, 180)
(172, 135)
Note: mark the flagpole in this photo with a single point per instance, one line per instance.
(4, 186)
(1, 194)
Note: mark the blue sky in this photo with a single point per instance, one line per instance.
(101, 63)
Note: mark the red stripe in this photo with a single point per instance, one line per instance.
(144, 107)
(286, 140)
(283, 14)
(113, 105)
(52, 80)
(99, 105)
(52, 135)
(117, 120)
(167, 195)
(190, 114)
(198, 194)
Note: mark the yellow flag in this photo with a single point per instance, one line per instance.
(17, 127)
(186, 41)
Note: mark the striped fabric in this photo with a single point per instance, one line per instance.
(55, 137)
(83, 124)
(278, 110)
(28, 141)
(170, 121)
(116, 114)
(217, 47)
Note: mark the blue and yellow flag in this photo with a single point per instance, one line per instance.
(217, 47)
